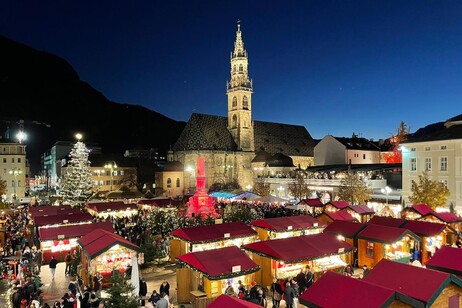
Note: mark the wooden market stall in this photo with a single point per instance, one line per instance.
(315, 206)
(201, 238)
(57, 241)
(47, 210)
(347, 231)
(103, 251)
(109, 209)
(447, 259)
(453, 221)
(376, 242)
(224, 301)
(351, 292)
(334, 206)
(62, 219)
(283, 258)
(328, 217)
(387, 221)
(289, 226)
(208, 273)
(433, 236)
(439, 290)
(415, 211)
(361, 212)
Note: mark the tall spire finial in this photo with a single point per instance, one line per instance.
(239, 44)
(238, 25)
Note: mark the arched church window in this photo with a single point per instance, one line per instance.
(245, 103)
(241, 68)
(234, 68)
(234, 102)
(178, 182)
(169, 183)
(234, 121)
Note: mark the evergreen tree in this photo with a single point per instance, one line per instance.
(121, 293)
(353, 189)
(77, 182)
(429, 192)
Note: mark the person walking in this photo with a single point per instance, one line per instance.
(68, 260)
(52, 266)
(38, 259)
(289, 293)
(276, 293)
(97, 283)
(165, 287)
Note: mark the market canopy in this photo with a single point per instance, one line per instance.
(421, 209)
(246, 196)
(312, 202)
(220, 263)
(62, 219)
(98, 241)
(101, 207)
(216, 232)
(333, 290)
(271, 199)
(424, 228)
(300, 248)
(279, 224)
(447, 259)
(224, 301)
(51, 210)
(345, 228)
(407, 279)
(445, 217)
(72, 231)
(387, 221)
(384, 234)
(160, 202)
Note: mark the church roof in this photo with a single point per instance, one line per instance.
(209, 132)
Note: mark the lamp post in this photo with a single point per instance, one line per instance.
(15, 172)
(386, 190)
(111, 166)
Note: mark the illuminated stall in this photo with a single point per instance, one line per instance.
(376, 242)
(433, 237)
(315, 206)
(208, 273)
(453, 221)
(231, 301)
(47, 210)
(58, 241)
(53, 221)
(210, 237)
(334, 206)
(290, 226)
(162, 202)
(110, 209)
(284, 258)
(361, 212)
(387, 221)
(416, 211)
(104, 252)
(329, 217)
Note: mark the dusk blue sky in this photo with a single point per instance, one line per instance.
(335, 67)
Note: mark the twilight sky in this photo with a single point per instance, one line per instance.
(335, 67)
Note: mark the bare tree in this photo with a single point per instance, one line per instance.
(353, 189)
(261, 187)
(429, 192)
(299, 188)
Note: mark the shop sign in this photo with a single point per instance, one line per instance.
(315, 224)
(341, 250)
(65, 221)
(227, 235)
(60, 236)
(289, 227)
(236, 269)
(218, 221)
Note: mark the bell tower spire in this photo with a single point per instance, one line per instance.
(239, 91)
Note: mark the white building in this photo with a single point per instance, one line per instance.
(13, 168)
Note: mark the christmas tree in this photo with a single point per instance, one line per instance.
(77, 182)
(120, 293)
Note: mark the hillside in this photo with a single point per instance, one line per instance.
(46, 93)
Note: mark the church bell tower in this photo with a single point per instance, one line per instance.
(239, 91)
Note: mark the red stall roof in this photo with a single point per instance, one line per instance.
(361, 209)
(111, 206)
(212, 233)
(98, 241)
(447, 259)
(333, 290)
(407, 279)
(301, 248)
(224, 301)
(424, 228)
(345, 228)
(280, 224)
(339, 204)
(384, 234)
(218, 263)
(72, 231)
(387, 221)
(51, 210)
(339, 215)
(62, 219)
(421, 209)
(445, 217)
(312, 202)
(164, 202)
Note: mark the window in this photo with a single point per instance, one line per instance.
(443, 147)
(234, 102)
(364, 156)
(19, 160)
(4, 160)
(445, 183)
(122, 172)
(101, 183)
(411, 186)
(443, 163)
(241, 68)
(108, 173)
(169, 183)
(427, 148)
(12, 159)
(178, 182)
(412, 149)
(370, 249)
(95, 183)
(12, 183)
(413, 164)
(234, 68)
(108, 182)
(234, 121)
(19, 183)
(245, 103)
(115, 172)
(428, 164)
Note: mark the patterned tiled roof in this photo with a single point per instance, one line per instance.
(209, 132)
(358, 143)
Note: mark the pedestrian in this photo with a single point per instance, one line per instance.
(289, 293)
(365, 270)
(39, 259)
(276, 293)
(162, 302)
(309, 277)
(68, 260)
(165, 287)
(97, 283)
(52, 266)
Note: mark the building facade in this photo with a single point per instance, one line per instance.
(13, 169)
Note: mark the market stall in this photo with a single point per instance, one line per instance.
(376, 242)
(231, 301)
(290, 226)
(433, 236)
(53, 221)
(361, 212)
(103, 251)
(334, 206)
(210, 237)
(110, 209)
(44, 210)
(447, 259)
(58, 241)
(283, 258)
(314, 206)
(415, 211)
(453, 221)
(387, 221)
(160, 202)
(328, 217)
(210, 272)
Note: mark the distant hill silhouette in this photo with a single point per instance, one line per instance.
(38, 87)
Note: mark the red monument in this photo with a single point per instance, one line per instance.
(201, 203)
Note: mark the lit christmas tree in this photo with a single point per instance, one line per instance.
(77, 182)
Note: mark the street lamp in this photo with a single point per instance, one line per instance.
(280, 189)
(111, 166)
(249, 187)
(15, 172)
(386, 190)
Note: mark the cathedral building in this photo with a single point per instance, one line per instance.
(236, 147)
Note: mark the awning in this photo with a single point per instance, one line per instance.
(51, 210)
(62, 219)
(224, 301)
(280, 224)
(301, 248)
(345, 228)
(98, 241)
(384, 234)
(212, 233)
(447, 259)
(72, 231)
(220, 263)
(387, 221)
